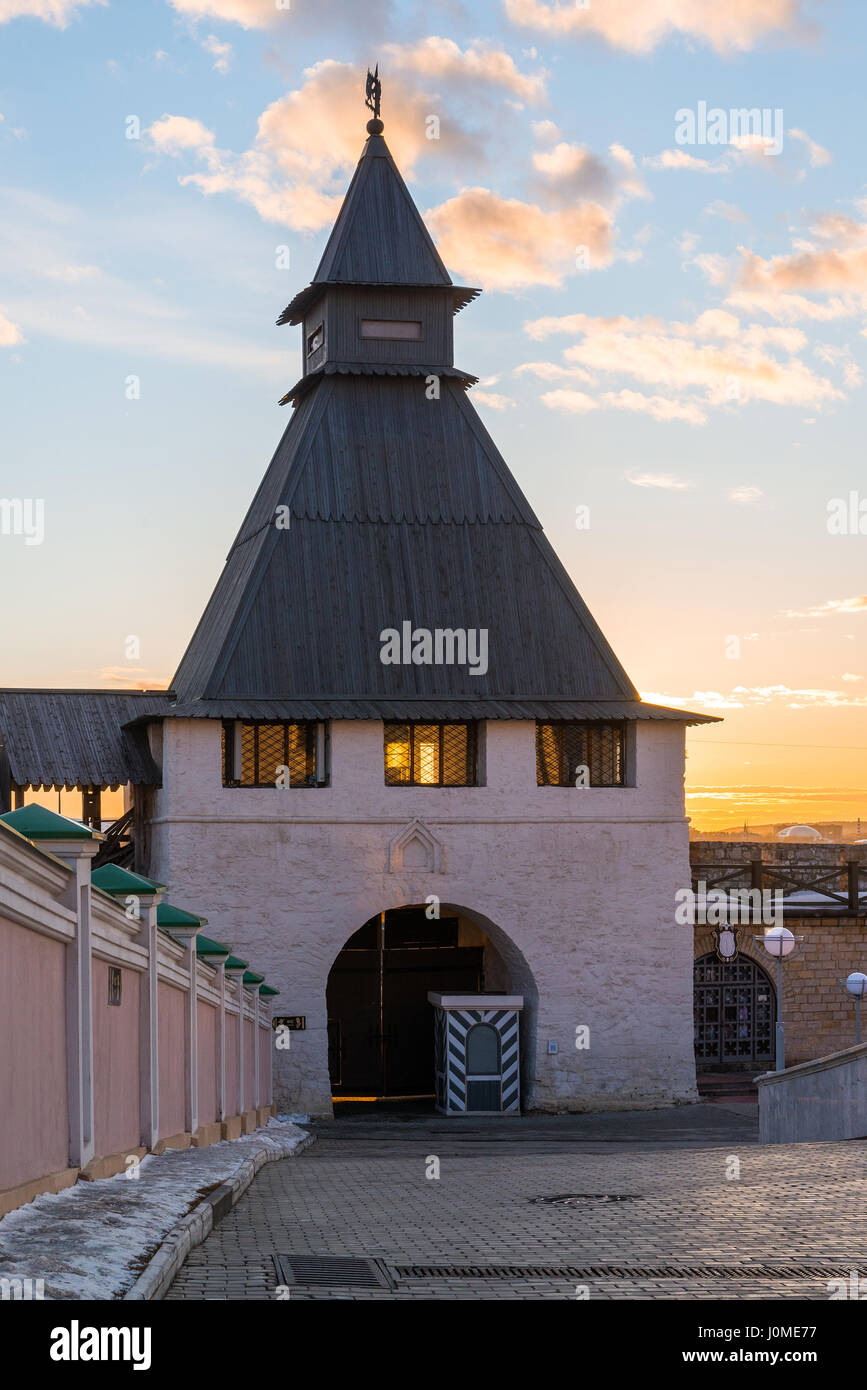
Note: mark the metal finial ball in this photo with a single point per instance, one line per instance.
(375, 127)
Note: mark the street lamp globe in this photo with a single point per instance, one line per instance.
(778, 942)
(856, 983)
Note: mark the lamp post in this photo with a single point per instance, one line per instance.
(778, 942)
(856, 985)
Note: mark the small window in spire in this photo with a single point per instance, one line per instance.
(400, 329)
(315, 340)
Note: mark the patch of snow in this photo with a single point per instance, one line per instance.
(92, 1241)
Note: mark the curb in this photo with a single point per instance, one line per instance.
(197, 1225)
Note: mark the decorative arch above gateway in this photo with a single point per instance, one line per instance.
(415, 847)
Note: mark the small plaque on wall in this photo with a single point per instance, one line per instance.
(297, 1023)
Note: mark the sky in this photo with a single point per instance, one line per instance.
(671, 342)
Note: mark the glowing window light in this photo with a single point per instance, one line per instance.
(428, 762)
(397, 761)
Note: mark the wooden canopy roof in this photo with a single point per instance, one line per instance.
(400, 508)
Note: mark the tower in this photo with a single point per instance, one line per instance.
(398, 710)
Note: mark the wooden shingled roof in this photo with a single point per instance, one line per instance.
(400, 508)
(71, 738)
(379, 236)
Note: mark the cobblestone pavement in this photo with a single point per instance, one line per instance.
(362, 1190)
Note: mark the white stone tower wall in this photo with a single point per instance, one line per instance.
(575, 887)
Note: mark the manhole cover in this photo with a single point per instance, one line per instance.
(330, 1272)
(577, 1199)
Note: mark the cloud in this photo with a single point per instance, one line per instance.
(679, 159)
(640, 25)
(221, 53)
(304, 16)
(308, 142)
(810, 271)
(667, 481)
(493, 400)
(729, 211)
(834, 607)
(10, 333)
(817, 154)
(835, 271)
(743, 697)
(574, 171)
(175, 134)
(676, 356)
(745, 494)
(659, 407)
(546, 131)
(252, 14)
(136, 677)
(56, 12)
(504, 243)
(555, 371)
(442, 59)
(307, 145)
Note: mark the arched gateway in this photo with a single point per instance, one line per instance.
(735, 1007)
(380, 1021)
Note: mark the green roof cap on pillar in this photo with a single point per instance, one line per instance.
(38, 823)
(235, 963)
(268, 989)
(251, 978)
(111, 878)
(206, 947)
(169, 916)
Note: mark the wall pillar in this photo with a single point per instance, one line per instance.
(256, 1048)
(270, 1059)
(187, 935)
(149, 1033)
(79, 1000)
(236, 975)
(221, 1042)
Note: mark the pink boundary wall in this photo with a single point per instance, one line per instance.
(116, 1105)
(207, 1065)
(171, 1014)
(33, 1102)
(45, 932)
(233, 1098)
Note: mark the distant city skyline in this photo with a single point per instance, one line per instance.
(670, 344)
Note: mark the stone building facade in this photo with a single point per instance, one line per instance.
(819, 1016)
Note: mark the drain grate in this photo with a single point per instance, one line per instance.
(570, 1272)
(577, 1199)
(330, 1272)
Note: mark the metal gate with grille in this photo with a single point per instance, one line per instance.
(734, 1007)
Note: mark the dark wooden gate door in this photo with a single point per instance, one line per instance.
(380, 1024)
(734, 1008)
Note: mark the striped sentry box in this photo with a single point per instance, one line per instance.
(477, 1053)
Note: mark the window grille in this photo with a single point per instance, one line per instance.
(257, 754)
(430, 755)
(565, 748)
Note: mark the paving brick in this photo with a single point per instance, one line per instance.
(361, 1190)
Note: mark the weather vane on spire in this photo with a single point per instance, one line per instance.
(373, 92)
